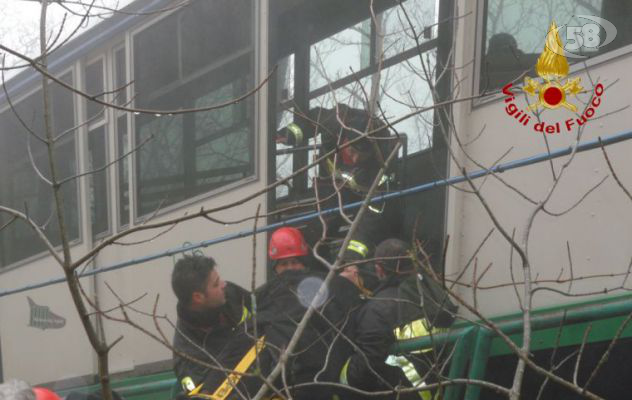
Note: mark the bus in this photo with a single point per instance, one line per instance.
(513, 173)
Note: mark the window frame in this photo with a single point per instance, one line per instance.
(105, 121)
(84, 64)
(300, 184)
(496, 94)
(79, 187)
(116, 192)
(255, 48)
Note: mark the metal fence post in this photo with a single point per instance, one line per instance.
(460, 357)
(478, 365)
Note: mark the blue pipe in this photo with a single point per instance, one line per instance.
(593, 144)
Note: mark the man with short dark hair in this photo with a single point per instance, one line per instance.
(209, 311)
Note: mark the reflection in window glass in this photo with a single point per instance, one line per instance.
(22, 188)
(120, 77)
(160, 166)
(340, 55)
(194, 153)
(123, 170)
(352, 95)
(226, 22)
(515, 32)
(223, 140)
(63, 106)
(155, 66)
(285, 81)
(94, 86)
(312, 155)
(403, 90)
(399, 32)
(98, 181)
(284, 162)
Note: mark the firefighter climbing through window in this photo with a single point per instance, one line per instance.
(359, 144)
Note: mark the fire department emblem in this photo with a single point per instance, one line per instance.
(552, 67)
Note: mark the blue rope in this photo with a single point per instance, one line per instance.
(593, 144)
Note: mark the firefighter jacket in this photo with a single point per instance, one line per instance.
(396, 304)
(319, 354)
(203, 336)
(343, 178)
(334, 138)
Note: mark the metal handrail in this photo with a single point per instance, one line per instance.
(472, 341)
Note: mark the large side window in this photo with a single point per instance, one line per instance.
(333, 58)
(330, 52)
(514, 32)
(22, 159)
(197, 57)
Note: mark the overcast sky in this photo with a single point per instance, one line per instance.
(19, 29)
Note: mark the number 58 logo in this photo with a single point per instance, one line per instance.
(590, 36)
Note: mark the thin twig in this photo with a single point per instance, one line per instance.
(581, 352)
(614, 174)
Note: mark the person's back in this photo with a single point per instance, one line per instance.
(374, 327)
(283, 302)
(397, 302)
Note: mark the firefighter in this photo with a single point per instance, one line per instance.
(280, 305)
(349, 171)
(397, 310)
(209, 312)
(357, 270)
(288, 250)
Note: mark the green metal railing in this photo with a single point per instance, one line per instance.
(472, 345)
(475, 343)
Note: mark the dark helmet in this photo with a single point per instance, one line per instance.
(395, 256)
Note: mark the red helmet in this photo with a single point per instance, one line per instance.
(45, 394)
(287, 242)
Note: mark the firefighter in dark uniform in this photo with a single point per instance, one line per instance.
(209, 312)
(280, 305)
(405, 304)
(282, 302)
(349, 170)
